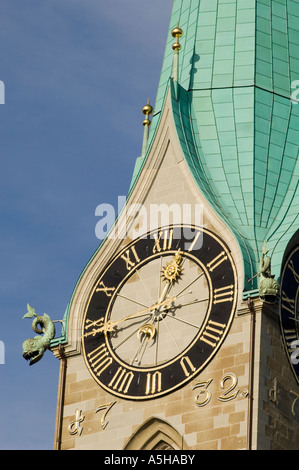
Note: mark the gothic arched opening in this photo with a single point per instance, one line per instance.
(156, 434)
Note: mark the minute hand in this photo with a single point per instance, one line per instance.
(109, 325)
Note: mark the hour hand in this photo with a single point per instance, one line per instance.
(171, 273)
(109, 325)
(100, 327)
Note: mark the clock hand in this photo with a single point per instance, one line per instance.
(150, 332)
(166, 302)
(161, 303)
(109, 325)
(171, 272)
(192, 302)
(164, 292)
(145, 333)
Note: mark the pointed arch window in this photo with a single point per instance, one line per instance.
(156, 434)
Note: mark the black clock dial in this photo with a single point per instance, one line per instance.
(159, 312)
(289, 309)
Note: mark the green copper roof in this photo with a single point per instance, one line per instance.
(238, 128)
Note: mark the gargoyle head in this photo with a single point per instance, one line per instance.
(32, 350)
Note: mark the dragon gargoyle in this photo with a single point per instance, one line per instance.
(34, 348)
(269, 287)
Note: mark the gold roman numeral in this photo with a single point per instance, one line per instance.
(121, 380)
(187, 366)
(97, 326)
(292, 268)
(127, 258)
(290, 337)
(153, 383)
(194, 240)
(100, 359)
(287, 303)
(163, 243)
(108, 290)
(217, 261)
(224, 294)
(213, 333)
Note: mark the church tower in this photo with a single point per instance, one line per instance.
(183, 329)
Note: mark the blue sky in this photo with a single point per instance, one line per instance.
(76, 75)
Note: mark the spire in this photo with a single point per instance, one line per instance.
(177, 33)
(234, 117)
(147, 111)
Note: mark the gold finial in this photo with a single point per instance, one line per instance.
(147, 111)
(177, 33)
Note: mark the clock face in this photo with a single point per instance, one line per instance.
(159, 312)
(289, 309)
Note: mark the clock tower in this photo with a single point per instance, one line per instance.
(183, 329)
